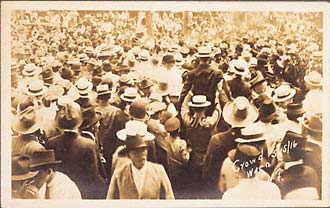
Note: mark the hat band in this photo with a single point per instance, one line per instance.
(129, 96)
(204, 54)
(35, 91)
(85, 88)
(198, 103)
(254, 136)
(283, 95)
(240, 70)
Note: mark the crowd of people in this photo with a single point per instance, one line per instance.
(102, 109)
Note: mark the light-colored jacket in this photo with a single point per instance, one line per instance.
(156, 182)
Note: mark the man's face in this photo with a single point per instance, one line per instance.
(41, 178)
(138, 157)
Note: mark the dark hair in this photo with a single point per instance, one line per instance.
(174, 133)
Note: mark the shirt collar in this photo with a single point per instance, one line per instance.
(288, 165)
(137, 171)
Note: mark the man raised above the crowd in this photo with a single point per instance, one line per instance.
(202, 80)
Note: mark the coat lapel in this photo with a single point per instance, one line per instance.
(131, 184)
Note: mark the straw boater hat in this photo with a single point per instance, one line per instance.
(130, 94)
(155, 107)
(27, 121)
(83, 86)
(239, 67)
(42, 159)
(204, 51)
(103, 89)
(36, 88)
(133, 128)
(283, 93)
(313, 79)
(240, 113)
(199, 101)
(31, 70)
(154, 96)
(252, 133)
(144, 55)
(20, 168)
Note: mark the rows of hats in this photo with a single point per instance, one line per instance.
(63, 78)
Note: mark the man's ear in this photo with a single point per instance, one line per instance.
(49, 171)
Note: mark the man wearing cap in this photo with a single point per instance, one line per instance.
(249, 186)
(202, 80)
(52, 184)
(178, 155)
(139, 179)
(77, 153)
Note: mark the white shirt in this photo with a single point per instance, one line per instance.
(60, 187)
(139, 176)
(253, 189)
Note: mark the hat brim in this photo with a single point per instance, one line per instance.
(29, 175)
(235, 122)
(202, 105)
(241, 140)
(36, 167)
(87, 90)
(121, 134)
(43, 91)
(309, 82)
(289, 96)
(97, 117)
(17, 127)
(125, 150)
(37, 71)
(129, 99)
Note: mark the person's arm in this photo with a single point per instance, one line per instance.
(166, 184)
(186, 117)
(187, 85)
(212, 120)
(113, 191)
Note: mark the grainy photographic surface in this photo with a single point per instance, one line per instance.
(194, 104)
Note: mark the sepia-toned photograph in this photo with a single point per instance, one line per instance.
(183, 104)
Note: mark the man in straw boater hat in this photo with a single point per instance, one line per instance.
(51, 184)
(27, 124)
(70, 146)
(202, 80)
(246, 162)
(295, 178)
(252, 135)
(139, 178)
(199, 129)
(238, 86)
(238, 113)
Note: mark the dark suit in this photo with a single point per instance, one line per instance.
(219, 146)
(79, 161)
(156, 184)
(202, 81)
(296, 177)
(238, 87)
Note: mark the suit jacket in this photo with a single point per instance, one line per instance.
(79, 161)
(156, 184)
(238, 87)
